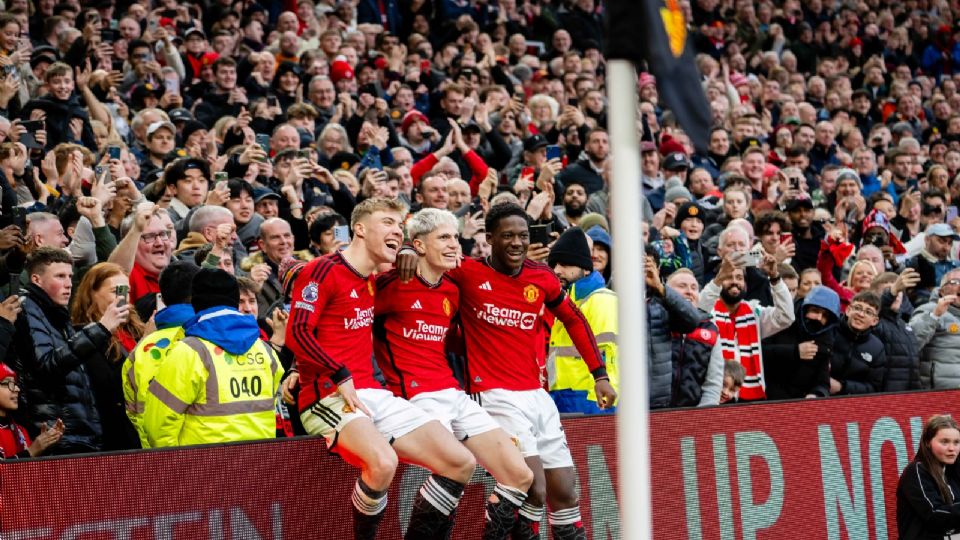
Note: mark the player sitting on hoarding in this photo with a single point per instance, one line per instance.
(330, 333)
(501, 298)
(411, 324)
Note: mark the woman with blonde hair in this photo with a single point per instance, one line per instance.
(101, 287)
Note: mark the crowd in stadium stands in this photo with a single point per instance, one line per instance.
(810, 251)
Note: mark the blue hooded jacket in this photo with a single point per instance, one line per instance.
(824, 298)
(173, 316)
(226, 327)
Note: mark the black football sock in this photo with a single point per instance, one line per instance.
(433, 509)
(501, 516)
(528, 522)
(566, 524)
(368, 509)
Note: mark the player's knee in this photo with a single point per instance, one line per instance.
(537, 494)
(464, 467)
(383, 467)
(521, 477)
(565, 498)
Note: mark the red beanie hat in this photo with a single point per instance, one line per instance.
(340, 70)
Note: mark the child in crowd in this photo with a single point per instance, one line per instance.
(733, 374)
(14, 440)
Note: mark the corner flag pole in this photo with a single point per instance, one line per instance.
(632, 419)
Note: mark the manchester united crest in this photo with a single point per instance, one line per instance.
(531, 293)
(446, 307)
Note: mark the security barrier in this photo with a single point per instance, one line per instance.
(824, 469)
(290, 489)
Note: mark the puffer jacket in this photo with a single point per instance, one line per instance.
(52, 357)
(859, 361)
(696, 363)
(666, 315)
(787, 375)
(900, 344)
(939, 341)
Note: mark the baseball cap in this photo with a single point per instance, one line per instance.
(261, 194)
(152, 128)
(340, 70)
(942, 230)
(194, 30)
(534, 142)
(180, 115)
(676, 161)
(648, 146)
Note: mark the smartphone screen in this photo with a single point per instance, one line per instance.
(221, 176)
(554, 152)
(951, 213)
(113, 152)
(341, 233)
(264, 141)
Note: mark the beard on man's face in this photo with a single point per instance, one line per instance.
(574, 208)
(731, 294)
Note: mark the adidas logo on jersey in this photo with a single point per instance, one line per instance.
(485, 286)
(353, 294)
(416, 305)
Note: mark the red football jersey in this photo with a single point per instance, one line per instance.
(500, 316)
(411, 321)
(329, 331)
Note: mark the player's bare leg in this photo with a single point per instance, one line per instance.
(564, 515)
(531, 513)
(361, 445)
(497, 453)
(433, 447)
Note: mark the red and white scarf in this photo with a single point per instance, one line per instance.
(740, 341)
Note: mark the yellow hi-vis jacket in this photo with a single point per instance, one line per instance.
(565, 367)
(140, 367)
(202, 394)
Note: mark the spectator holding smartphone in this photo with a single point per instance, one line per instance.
(107, 285)
(54, 357)
(15, 442)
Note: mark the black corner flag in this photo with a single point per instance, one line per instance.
(655, 31)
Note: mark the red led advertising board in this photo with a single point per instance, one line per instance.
(818, 469)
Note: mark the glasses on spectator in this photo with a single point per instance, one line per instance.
(857, 308)
(10, 385)
(150, 238)
(953, 282)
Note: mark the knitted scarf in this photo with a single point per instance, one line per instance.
(740, 341)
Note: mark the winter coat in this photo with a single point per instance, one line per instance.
(922, 513)
(859, 361)
(900, 343)
(789, 376)
(214, 107)
(697, 366)
(57, 120)
(670, 314)
(939, 341)
(53, 360)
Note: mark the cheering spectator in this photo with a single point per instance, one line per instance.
(858, 364)
(898, 338)
(742, 325)
(697, 358)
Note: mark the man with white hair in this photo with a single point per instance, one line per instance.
(735, 241)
